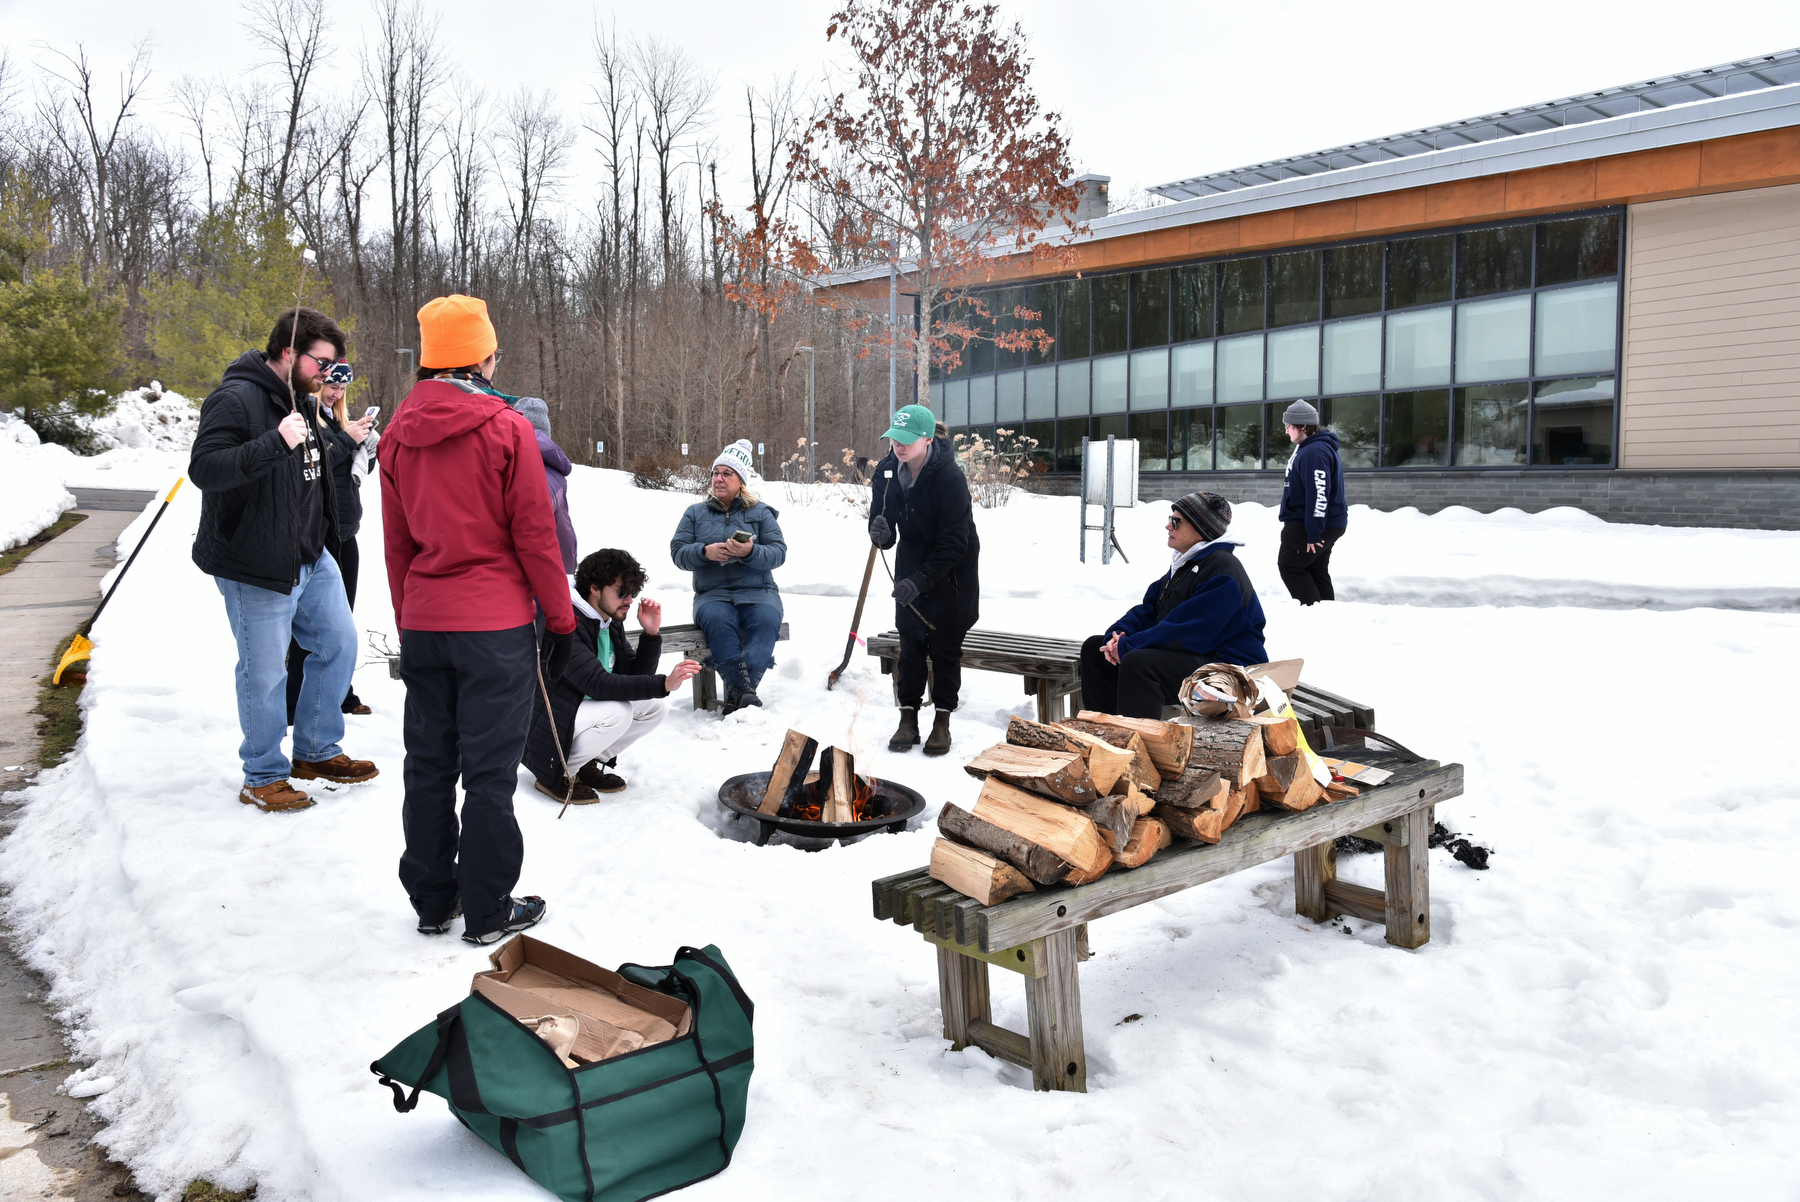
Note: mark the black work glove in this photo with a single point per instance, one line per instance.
(555, 650)
(905, 591)
(880, 533)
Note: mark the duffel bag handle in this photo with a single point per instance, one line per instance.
(692, 989)
(446, 1024)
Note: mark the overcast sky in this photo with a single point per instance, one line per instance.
(1150, 91)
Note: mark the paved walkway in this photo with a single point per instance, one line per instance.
(46, 1148)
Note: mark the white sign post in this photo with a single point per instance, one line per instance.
(1109, 479)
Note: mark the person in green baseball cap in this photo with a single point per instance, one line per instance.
(920, 498)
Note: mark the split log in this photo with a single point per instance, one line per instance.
(1114, 818)
(1137, 801)
(1148, 836)
(1281, 735)
(1107, 764)
(839, 768)
(1023, 732)
(1193, 789)
(1337, 790)
(1204, 826)
(1089, 877)
(1170, 743)
(1060, 775)
(789, 773)
(1044, 867)
(1233, 747)
(976, 874)
(1289, 784)
(1066, 833)
(1143, 768)
(1235, 802)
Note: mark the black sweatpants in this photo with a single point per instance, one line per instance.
(468, 710)
(349, 559)
(1141, 683)
(1307, 574)
(944, 649)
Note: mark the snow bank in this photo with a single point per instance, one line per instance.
(34, 495)
(148, 418)
(1605, 1013)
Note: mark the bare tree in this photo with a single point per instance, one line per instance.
(531, 152)
(402, 70)
(465, 145)
(676, 96)
(91, 139)
(289, 31)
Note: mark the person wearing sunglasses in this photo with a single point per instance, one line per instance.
(348, 448)
(1203, 610)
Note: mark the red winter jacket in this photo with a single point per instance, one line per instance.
(471, 539)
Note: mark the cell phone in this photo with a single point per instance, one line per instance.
(741, 536)
(372, 410)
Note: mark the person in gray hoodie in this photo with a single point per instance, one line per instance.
(732, 544)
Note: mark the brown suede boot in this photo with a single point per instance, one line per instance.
(559, 790)
(340, 769)
(938, 741)
(275, 797)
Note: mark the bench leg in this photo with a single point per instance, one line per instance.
(1049, 702)
(706, 690)
(1313, 869)
(1409, 883)
(963, 994)
(1053, 1008)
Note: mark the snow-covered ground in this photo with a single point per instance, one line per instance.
(34, 495)
(1607, 1012)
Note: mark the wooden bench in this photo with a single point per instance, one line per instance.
(689, 642)
(1043, 935)
(1052, 672)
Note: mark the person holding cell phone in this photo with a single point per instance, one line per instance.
(349, 449)
(732, 544)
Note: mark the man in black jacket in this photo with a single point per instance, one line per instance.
(608, 696)
(268, 535)
(921, 497)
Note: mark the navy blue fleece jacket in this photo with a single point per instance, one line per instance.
(1221, 621)
(1313, 489)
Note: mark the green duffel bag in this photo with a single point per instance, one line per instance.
(619, 1130)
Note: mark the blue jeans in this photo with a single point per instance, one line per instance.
(744, 633)
(317, 616)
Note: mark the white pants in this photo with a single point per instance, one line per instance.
(605, 728)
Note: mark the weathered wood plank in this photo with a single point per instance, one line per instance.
(1000, 1043)
(1314, 868)
(1341, 897)
(962, 995)
(1396, 832)
(1027, 959)
(883, 888)
(1053, 1010)
(1408, 879)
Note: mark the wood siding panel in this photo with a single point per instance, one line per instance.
(1455, 202)
(1391, 211)
(1648, 173)
(1747, 158)
(1550, 187)
(1712, 319)
(1320, 222)
(1214, 237)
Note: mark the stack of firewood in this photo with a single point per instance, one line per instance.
(1064, 804)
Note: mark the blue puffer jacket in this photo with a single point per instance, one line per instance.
(1210, 610)
(1313, 489)
(746, 581)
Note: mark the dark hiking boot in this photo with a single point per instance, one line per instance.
(938, 742)
(738, 692)
(907, 735)
(559, 790)
(276, 797)
(748, 698)
(520, 914)
(340, 769)
(440, 927)
(352, 705)
(594, 775)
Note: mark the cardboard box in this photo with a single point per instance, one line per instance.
(531, 978)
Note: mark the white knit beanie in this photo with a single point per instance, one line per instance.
(737, 458)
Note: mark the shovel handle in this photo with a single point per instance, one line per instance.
(856, 620)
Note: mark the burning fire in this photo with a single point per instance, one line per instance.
(812, 804)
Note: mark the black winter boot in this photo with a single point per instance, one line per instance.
(907, 736)
(938, 743)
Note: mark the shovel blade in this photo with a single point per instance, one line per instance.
(79, 649)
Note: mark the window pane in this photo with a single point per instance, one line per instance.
(1240, 296)
(1150, 380)
(1009, 401)
(961, 370)
(1240, 436)
(1294, 362)
(1152, 433)
(1418, 271)
(1294, 288)
(1149, 308)
(981, 401)
(1071, 391)
(1191, 435)
(1493, 261)
(1490, 425)
(1109, 385)
(1492, 339)
(1042, 457)
(937, 401)
(1418, 348)
(1578, 249)
(1418, 429)
(1193, 302)
(1072, 322)
(1109, 314)
(1356, 420)
(1277, 446)
(1353, 280)
(1353, 355)
(1241, 368)
(1194, 374)
(1572, 422)
(1040, 392)
(1004, 309)
(980, 352)
(956, 404)
(1069, 433)
(1114, 424)
(1041, 300)
(1576, 329)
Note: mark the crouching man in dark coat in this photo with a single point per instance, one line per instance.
(608, 696)
(1203, 611)
(921, 498)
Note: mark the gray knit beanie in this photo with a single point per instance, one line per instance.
(1208, 511)
(537, 413)
(1301, 413)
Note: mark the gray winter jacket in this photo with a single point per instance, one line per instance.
(746, 581)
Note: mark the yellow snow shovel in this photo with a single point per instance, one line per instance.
(79, 647)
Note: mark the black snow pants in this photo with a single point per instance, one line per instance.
(1139, 685)
(1307, 574)
(468, 710)
(943, 649)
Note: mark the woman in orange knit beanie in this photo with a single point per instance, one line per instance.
(454, 331)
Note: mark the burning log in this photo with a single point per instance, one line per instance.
(837, 787)
(1170, 743)
(1044, 867)
(1148, 836)
(1066, 833)
(1061, 775)
(976, 874)
(1233, 747)
(787, 779)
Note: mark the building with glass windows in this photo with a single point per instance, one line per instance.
(1590, 302)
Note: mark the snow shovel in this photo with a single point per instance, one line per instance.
(850, 643)
(79, 646)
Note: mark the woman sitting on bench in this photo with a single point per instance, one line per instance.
(1202, 611)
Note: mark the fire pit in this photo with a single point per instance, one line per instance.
(881, 805)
